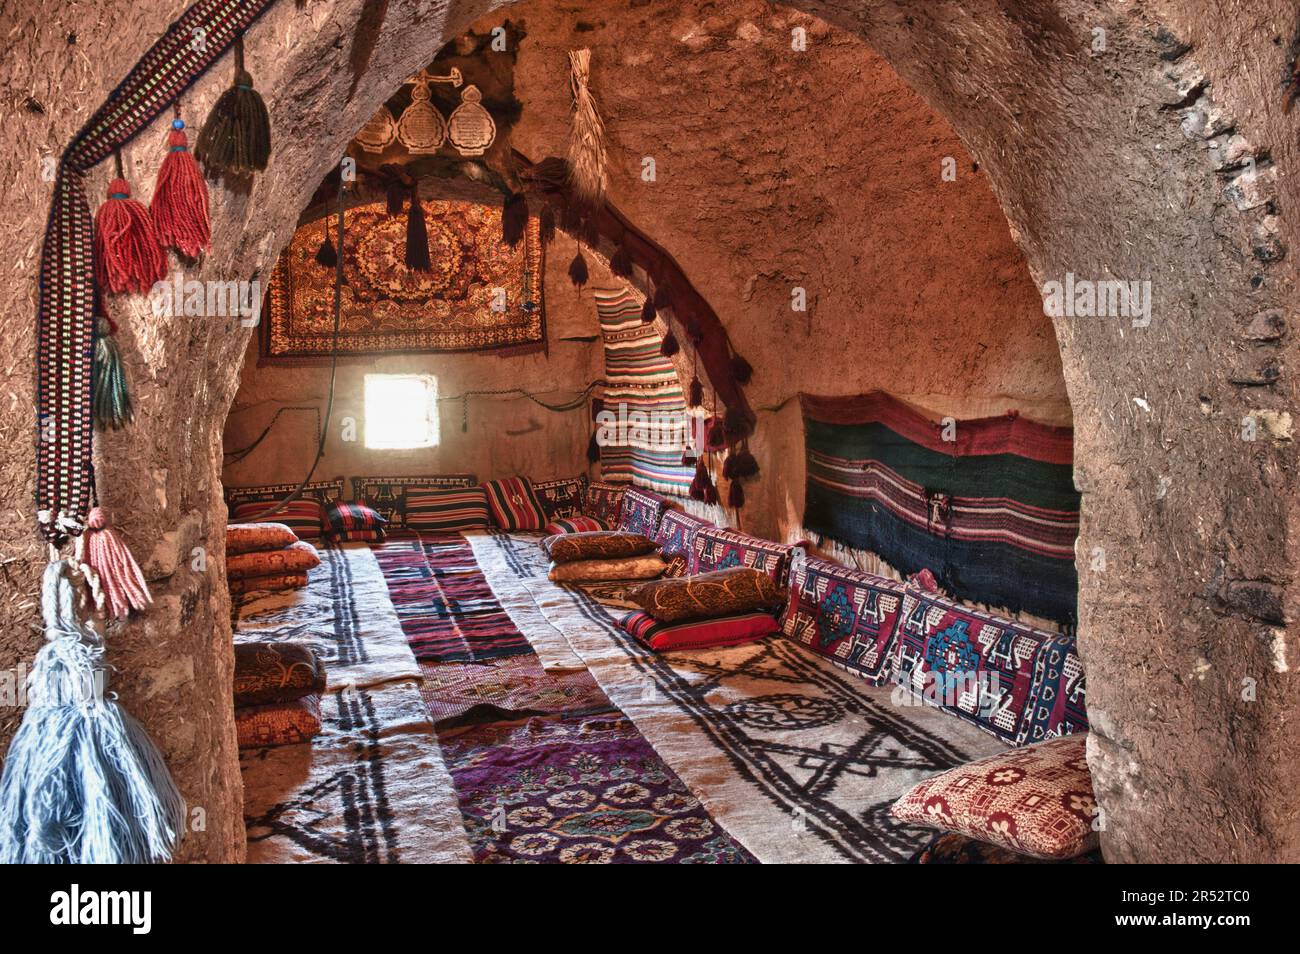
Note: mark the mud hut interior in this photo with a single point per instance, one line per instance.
(670, 431)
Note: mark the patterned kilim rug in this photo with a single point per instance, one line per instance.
(512, 684)
(798, 760)
(344, 613)
(446, 608)
(371, 788)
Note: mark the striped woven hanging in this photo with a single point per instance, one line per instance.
(66, 316)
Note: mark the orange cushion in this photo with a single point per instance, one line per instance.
(297, 557)
(250, 537)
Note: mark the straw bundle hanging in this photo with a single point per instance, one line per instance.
(588, 177)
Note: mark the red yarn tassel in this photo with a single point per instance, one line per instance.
(180, 198)
(128, 255)
(120, 580)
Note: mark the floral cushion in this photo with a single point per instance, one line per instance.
(514, 505)
(641, 511)
(562, 498)
(296, 558)
(643, 567)
(278, 723)
(249, 537)
(596, 545)
(1036, 800)
(305, 517)
(698, 634)
(604, 501)
(446, 510)
(275, 672)
(847, 616)
(574, 524)
(715, 548)
(1016, 682)
(737, 589)
(676, 537)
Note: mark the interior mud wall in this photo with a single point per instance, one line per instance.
(1126, 161)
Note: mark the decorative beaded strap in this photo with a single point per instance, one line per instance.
(65, 333)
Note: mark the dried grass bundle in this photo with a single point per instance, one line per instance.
(588, 177)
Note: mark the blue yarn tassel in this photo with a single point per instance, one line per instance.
(83, 783)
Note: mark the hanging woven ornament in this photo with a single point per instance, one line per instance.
(128, 256)
(741, 369)
(83, 783)
(116, 581)
(735, 495)
(421, 128)
(179, 206)
(514, 218)
(111, 397)
(588, 178)
(327, 255)
(417, 234)
(379, 131)
(695, 396)
(236, 138)
(647, 311)
(621, 262)
(578, 270)
(669, 347)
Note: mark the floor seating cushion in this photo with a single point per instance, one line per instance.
(596, 545)
(357, 536)
(278, 723)
(697, 634)
(847, 616)
(574, 524)
(268, 584)
(275, 672)
(676, 536)
(644, 567)
(716, 548)
(604, 501)
(562, 498)
(1036, 800)
(513, 504)
(344, 516)
(297, 557)
(304, 515)
(1016, 682)
(250, 537)
(721, 593)
(641, 511)
(388, 496)
(446, 510)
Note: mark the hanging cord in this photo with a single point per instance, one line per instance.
(235, 456)
(334, 368)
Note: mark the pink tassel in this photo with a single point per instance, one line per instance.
(120, 578)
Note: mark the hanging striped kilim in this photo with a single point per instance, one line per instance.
(640, 380)
(993, 513)
(65, 337)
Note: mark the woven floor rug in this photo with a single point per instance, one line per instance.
(344, 613)
(371, 788)
(515, 684)
(798, 760)
(446, 608)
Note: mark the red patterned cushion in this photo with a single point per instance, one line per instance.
(1016, 682)
(716, 549)
(1036, 800)
(514, 505)
(604, 501)
(357, 536)
(562, 498)
(352, 515)
(447, 511)
(278, 723)
(387, 496)
(698, 634)
(641, 511)
(247, 537)
(304, 516)
(297, 557)
(676, 537)
(849, 617)
(577, 524)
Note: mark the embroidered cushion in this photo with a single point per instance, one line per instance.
(356, 536)
(268, 584)
(447, 511)
(352, 515)
(641, 511)
(1016, 682)
(737, 589)
(514, 505)
(676, 536)
(950, 848)
(716, 548)
(275, 672)
(698, 634)
(280, 723)
(387, 496)
(247, 537)
(604, 501)
(643, 567)
(847, 616)
(298, 557)
(562, 498)
(596, 545)
(304, 517)
(575, 524)
(1036, 800)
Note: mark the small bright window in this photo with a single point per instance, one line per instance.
(401, 411)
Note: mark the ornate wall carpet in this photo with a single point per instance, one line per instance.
(480, 294)
(992, 512)
(371, 788)
(344, 613)
(586, 788)
(445, 606)
(798, 760)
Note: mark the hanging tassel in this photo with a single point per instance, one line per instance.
(741, 369)
(128, 256)
(546, 225)
(578, 270)
(670, 346)
(621, 263)
(648, 312)
(710, 494)
(395, 196)
(327, 256)
(737, 426)
(716, 438)
(120, 580)
(735, 495)
(743, 464)
(236, 138)
(663, 300)
(514, 219)
(695, 396)
(729, 467)
(593, 449)
(587, 175)
(417, 234)
(696, 490)
(111, 397)
(180, 198)
(83, 783)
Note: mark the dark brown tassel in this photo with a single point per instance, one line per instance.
(514, 218)
(741, 369)
(621, 263)
(670, 346)
(695, 397)
(326, 255)
(395, 193)
(662, 299)
(593, 448)
(735, 495)
(648, 312)
(710, 494)
(738, 426)
(237, 135)
(546, 225)
(729, 467)
(716, 437)
(417, 235)
(743, 464)
(578, 270)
